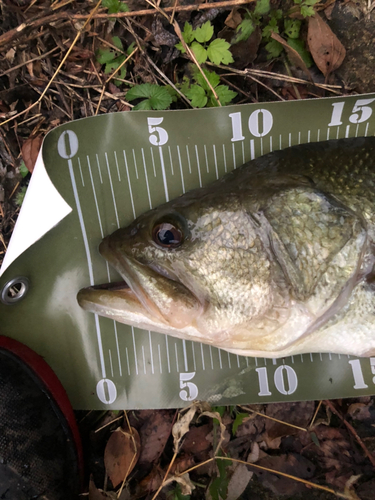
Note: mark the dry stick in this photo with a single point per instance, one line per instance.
(58, 68)
(38, 21)
(266, 469)
(111, 76)
(315, 414)
(179, 8)
(134, 455)
(266, 86)
(248, 96)
(369, 455)
(165, 476)
(274, 419)
(276, 76)
(29, 61)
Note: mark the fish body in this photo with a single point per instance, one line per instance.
(274, 259)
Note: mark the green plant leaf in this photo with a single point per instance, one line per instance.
(292, 27)
(197, 96)
(117, 42)
(130, 49)
(138, 91)
(20, 196)
(143, 105)
(299, 46)
(211, 76)
(204, 33)
(185, 85)
(115, 6)
(270, 28)
(180, 47)
(238, 421)
(187, 34)
(225, 94)
(244, 30)
(274, 49)
(262, 7)
(158, 97)
(23, 169)
(218, 52)
(124, 7)
(200, 52)
(307, 11)
(104, 56)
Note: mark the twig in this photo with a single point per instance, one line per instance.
(272, 471)
(272, 418)
(13, 68)
(37, 21)
(178, 8)
(369, 455)
(315, 414)
(276, 76)
(58, 68)
(109, 423)
(246, 94)
(266, 86)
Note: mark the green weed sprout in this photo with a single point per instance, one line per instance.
(216, 51)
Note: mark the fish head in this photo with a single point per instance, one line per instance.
(195, 267)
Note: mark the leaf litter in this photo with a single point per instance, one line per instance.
(65, 61)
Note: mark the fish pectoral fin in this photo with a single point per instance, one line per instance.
(307, 230)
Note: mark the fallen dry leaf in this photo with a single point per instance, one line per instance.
(154, 434)
(238, 482)
(181, 427)
(326, 49)
(196, 442)
(233, 19)
(30, 151)
(96, 494)
(293, 464)
(184, 481)
(121, 454)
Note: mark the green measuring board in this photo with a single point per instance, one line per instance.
(96, 175)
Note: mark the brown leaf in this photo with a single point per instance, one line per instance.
(238, 482)
(196, 442)
(299, 414)
(326, 49)
(293, 55)
(96, 494)
(30, 151)
(121, 454)
(234, 19)
(154, 434)
(293, 464)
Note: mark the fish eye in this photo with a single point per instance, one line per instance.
(167, 235)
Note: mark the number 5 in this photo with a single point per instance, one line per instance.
(366, 111)
(161, 136)
(193, 389)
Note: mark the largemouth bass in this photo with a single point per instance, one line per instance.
(274, 259)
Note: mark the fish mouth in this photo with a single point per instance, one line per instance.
(147, 296)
